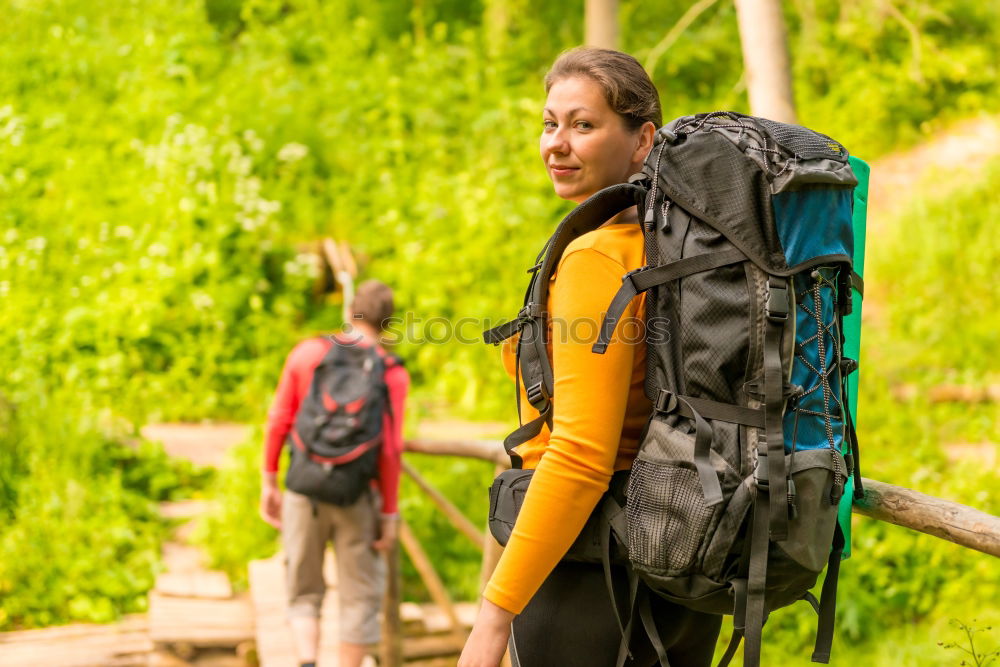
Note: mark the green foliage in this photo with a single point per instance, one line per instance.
(465, 482)
(976, 654)
(877, 75)
(164, 167)
(153, 227)
(947, 330)
(232, 532)
(81, 535)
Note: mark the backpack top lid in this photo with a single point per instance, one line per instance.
(755, 181)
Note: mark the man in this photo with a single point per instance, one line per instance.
(358, 531)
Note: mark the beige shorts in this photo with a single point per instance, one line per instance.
(360, 568)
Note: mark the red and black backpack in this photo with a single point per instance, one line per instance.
(338, 431)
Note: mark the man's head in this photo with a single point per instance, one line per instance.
(373, 305)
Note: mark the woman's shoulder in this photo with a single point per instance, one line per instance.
(621, 243)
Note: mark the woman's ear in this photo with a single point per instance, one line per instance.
(645, 142)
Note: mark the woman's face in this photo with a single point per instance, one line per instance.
(585, 144)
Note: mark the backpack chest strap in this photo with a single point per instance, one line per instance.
(638, 281)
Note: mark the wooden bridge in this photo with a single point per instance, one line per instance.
(195, 618)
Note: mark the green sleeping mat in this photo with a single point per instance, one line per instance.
(852, 327)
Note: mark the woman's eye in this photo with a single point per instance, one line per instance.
(549, 124)
(584, 125)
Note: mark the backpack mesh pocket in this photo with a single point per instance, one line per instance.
(667, 516)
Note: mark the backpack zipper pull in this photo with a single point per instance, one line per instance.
(664, 213)
(838, 485)
(793, 511)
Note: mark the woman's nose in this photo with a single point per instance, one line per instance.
(557, 142)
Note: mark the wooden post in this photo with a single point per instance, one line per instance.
(487, 450)
(459, 520)
(941, 518)
(344, 269)
(392, 624)
(429, 576)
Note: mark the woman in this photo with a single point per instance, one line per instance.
(599, 121)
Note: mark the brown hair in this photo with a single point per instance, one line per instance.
(373, 304)
(627, 88)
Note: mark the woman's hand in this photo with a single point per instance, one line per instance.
(488, 639)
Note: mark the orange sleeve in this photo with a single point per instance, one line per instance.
(591, 394)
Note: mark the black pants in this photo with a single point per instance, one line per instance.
(570, 623)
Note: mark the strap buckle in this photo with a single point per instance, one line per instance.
(844, 294)
(498, 334)
(760, 474)
(776, 309)
(530, 310)
(666, 401)
(629, 276)
(536, 393)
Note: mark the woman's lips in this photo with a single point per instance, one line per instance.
(561, 170)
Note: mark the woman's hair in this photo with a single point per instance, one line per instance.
(373, 304)
(627, 87)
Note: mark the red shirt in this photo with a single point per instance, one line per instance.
(294, 386)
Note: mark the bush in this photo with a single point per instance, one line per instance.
(81, 536)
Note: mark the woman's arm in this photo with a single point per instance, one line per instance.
(591, 393)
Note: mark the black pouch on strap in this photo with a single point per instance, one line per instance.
(507, 496)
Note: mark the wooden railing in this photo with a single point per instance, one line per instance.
(944, 519)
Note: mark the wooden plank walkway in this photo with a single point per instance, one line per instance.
(192, 608)
(199, 622)
(267, 592)
(428, 627)
(122, 644)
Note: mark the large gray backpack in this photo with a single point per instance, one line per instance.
(733, 499)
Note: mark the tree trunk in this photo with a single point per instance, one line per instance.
(601, 18)
(766, 59)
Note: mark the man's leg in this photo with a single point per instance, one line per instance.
(352, 655)
(305, 637)
(304, 530)
(360, 578)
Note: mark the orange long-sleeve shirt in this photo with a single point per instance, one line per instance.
(599, 405)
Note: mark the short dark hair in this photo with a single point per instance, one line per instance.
(373, 303)
(627, 87)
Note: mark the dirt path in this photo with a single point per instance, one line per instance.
(203, 444)
(899, 177)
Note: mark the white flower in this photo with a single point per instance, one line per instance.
(202, 300)
(293, 152)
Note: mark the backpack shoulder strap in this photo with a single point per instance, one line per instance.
(534, 366)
